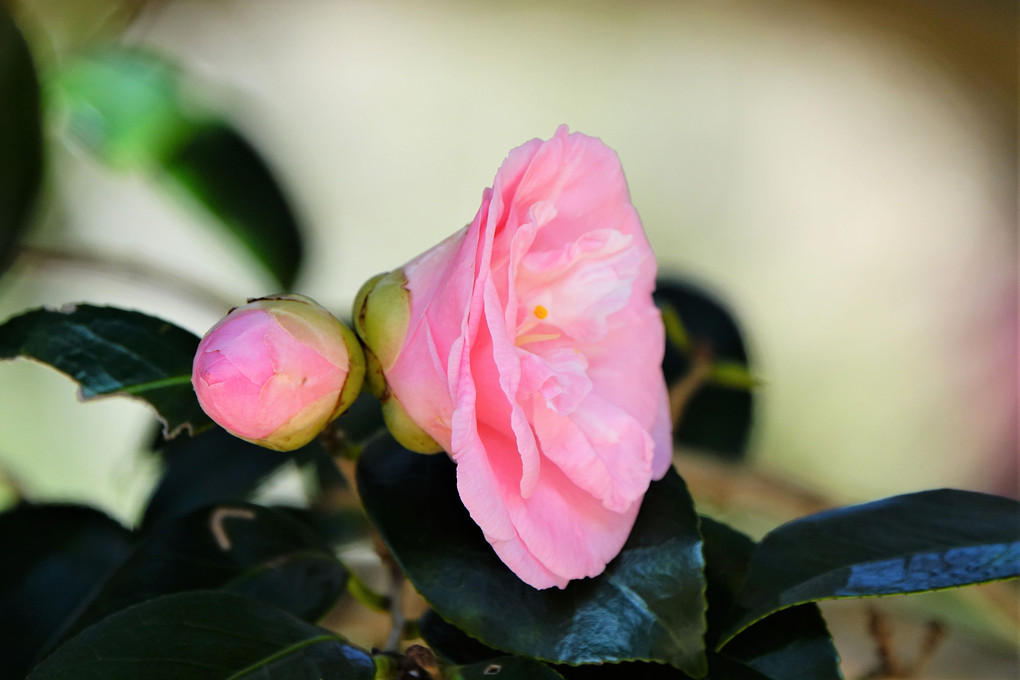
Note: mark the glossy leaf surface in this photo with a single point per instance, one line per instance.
(246, 548)
(719, 668)
(647, 604)
(110, 351)
(205, 635)
(911, 543)
(54, 556)
(450, 642)
(20, 137)
(789, 645)
(504, 668)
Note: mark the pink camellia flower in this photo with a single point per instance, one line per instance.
(277, 370)
(528, 347)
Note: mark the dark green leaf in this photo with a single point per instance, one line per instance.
(215, 467)
(451, 643)
(20, 137)
(54, 556)
(790, 645)
(225, 173)
(719, 668)
(718, 417)
(113, 351)
(249, 549)
(727, 553)
(205, 635)
(209, 468)
(632, 670)
(333, 526)
(455, 646)
(504, 668)
(648, 603)
(724, 668)
(904, 544)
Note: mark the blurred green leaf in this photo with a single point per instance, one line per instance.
(205, 635)
(110, 351)
(126, 105)
(733, 375)
(246, 548)
(904, 544)
(223, 172)
(20, 137)
(648, 603)
(700, 329)
(789, 645)
(54, 556)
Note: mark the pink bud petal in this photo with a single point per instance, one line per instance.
(277, 370)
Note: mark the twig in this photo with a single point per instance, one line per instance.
(396, 597)
(932, 640)
(337, 445)
(888, 666)
(146, 274)
(681, 391)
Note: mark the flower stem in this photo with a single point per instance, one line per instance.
(396, 598)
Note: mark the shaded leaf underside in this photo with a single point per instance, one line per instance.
(111, 351)
(648, 604)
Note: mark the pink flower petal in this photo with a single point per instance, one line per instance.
(533, 356)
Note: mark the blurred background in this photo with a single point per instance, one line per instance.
(842, 175)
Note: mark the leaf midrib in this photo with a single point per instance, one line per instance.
(286, 651)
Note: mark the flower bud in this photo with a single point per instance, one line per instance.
(277, 370)
(382, 310)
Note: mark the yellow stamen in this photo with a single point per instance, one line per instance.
(541, 312)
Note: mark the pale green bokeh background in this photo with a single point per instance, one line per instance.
(843, 174)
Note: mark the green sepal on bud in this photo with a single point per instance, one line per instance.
(382, 313)
(405, 430)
